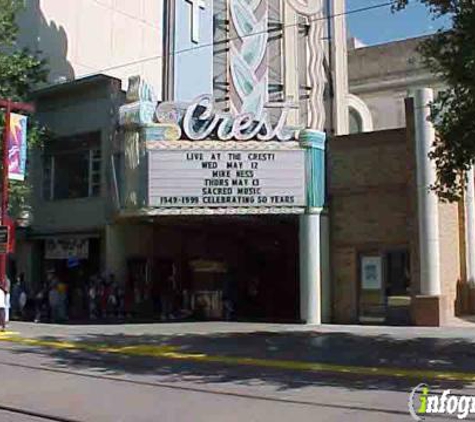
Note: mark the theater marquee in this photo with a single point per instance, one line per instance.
(227, 178)
(195, 159)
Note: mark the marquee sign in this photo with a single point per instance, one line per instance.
(227, 178)
(191, 158)
(199, 120)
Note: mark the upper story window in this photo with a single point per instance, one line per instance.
(356, 122)
(72, 167)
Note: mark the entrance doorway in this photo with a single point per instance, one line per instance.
(225, 268)
(384, 287)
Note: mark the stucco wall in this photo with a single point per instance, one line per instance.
(96, 36)
(125, 241)
(80, 108)
(383, 75)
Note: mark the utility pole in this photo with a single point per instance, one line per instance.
(9, 106)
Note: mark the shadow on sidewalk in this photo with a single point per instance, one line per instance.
(446, 355)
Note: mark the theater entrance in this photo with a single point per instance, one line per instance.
(242, 268)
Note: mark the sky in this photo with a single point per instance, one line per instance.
(380, 25)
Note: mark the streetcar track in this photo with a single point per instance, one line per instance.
(34, 414)
(201, 390)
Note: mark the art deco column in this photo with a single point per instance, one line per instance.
(339, 66)
(427, 309)
(312, 293)
(470, 228)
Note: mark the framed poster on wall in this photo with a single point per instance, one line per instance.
(371, 272)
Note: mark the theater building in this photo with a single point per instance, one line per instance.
(224, 180)
(237, 191)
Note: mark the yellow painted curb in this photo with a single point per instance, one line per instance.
(171, 352)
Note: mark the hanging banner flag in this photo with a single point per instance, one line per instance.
(17, 147)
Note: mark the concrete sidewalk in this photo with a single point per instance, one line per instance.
(464, 331)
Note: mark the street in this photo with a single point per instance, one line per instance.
(181, 372)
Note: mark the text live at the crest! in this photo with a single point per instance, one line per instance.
(202, 178)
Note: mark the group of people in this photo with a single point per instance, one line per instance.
(12, 300)
(51, 300)
(57, 301)
(105, 298)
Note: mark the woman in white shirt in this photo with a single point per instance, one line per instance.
(2, 308)
(7, 301)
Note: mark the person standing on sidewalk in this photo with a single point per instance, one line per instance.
(7, 300)
(3, 295)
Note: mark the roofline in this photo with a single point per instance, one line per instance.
(63, 87)
(390, 43)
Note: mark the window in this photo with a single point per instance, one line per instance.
(398, 273)
(356, 122)
(72, 167)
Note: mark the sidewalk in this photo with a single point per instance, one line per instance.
(406, 352)
(458, 329)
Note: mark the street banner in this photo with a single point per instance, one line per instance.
(17, 147)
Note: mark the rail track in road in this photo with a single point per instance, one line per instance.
(193, 389)
(36, 416)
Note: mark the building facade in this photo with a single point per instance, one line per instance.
(98, 191)
(234, 190)
(119, 38)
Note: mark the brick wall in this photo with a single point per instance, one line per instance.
(373, 210)
(449, 255)
(369, 207)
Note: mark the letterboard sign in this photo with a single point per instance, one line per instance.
(227, 178)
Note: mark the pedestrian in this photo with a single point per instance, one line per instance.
(53, 300)
(92, 299)
(112, 296)
(22, 300)
(62, 289)
(121, 301)
(229, 295)
(15, 298)
(39, 304)
(7, 300)
(167, 293)
(2, 307)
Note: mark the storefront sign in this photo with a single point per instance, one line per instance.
(371, 273)
(227, 178)
(66, 248)
(17, 147)
(201, 120)
(4, 239)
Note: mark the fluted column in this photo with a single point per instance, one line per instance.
(427, 199)
(310, 230)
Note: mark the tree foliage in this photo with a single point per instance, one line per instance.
(20, 72)
(450, 54)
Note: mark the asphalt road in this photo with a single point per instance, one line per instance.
(48, 382)
(99, 389)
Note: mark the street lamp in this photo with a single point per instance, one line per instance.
(9, 106)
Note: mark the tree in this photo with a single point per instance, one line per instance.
(20, 72)
(450, 54)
